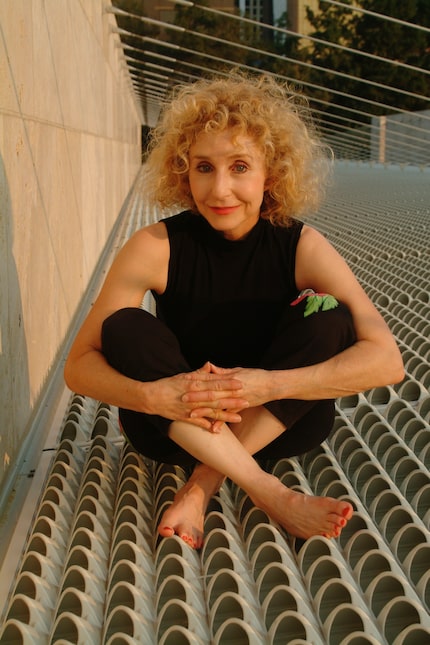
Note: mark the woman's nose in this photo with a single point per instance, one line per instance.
(221, 186)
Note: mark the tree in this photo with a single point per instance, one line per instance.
(371, 34)
(398, 43)
(250, 46)
(198, 24)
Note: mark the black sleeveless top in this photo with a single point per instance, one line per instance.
(224, 298)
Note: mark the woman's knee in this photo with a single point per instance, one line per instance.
(327, 333)
(304, 339)
(141, 346)
(124, 324)
(336, 327)
(121, 336)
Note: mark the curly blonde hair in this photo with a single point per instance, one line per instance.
(279, 121)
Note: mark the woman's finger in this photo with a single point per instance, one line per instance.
(201, 383)
(215, 398)
(225, 416)
(200, 422)
(228, 404)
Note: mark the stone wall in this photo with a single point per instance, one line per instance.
(69, 151)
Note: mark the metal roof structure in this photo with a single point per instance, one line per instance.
(357, 127)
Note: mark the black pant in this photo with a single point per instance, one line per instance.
(142, 347)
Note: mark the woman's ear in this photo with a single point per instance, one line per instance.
(268, 183)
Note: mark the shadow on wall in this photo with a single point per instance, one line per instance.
(14, 376)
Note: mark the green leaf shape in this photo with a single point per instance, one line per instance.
(313, 304)
(316, 302)
(329, 302)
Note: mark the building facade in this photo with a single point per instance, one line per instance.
(165, 11)
(267, 11)
(297, 20)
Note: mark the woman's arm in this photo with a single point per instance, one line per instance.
(142, 264)
(373, 360)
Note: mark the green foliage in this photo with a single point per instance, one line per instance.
(340, 83)
(398, 42)
(369, 34)
(203, 23)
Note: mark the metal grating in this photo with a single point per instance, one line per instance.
(93, 571)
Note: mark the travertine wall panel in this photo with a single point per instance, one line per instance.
(69, 152)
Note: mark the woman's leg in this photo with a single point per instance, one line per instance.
(301, 341)
(224, 454)
(185, 516)
(142, 347)
(268, 434)
(306, 434)
(125, 343)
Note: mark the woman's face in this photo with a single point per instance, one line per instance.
(227, 178)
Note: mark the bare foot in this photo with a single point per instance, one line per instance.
(301, 515)
(186, 516)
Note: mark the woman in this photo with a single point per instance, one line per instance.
(261, 324)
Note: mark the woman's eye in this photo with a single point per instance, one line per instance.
(240, 167)
(204, 167)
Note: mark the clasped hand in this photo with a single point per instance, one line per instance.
(211, 395)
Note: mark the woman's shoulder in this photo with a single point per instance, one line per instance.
(153, 235)
(155, 238)
(150, 242)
